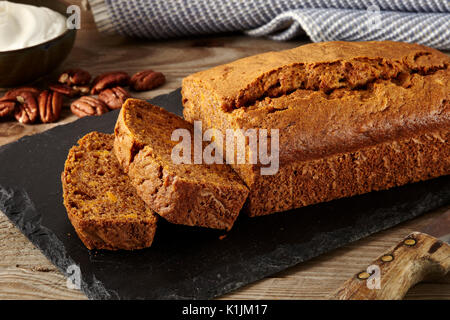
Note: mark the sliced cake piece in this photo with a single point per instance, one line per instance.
(101, 203)
(190, 194)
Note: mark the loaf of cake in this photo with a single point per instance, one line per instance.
(353, 117)
(101, 203)
(183, 193)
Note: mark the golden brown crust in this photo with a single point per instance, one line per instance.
(330, 100)
(191, 194)
(101, 203)
(319, 66)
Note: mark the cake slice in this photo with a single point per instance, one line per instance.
(101, 203)
(190, 194)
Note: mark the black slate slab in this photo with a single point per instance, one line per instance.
(186, 262)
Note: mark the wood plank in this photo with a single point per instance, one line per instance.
(26, 274)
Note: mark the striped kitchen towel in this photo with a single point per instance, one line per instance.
(420, 21)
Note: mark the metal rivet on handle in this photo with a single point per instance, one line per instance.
(387, 258)
(410, 242)
(363, 275)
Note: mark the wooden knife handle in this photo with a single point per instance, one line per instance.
(417, 257)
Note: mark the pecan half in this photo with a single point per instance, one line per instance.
(70, 91)
(50, 105)
(147, 80)
(114, 97)
(78, 77)
(6, 108)
(88, 106)
(11, 95)
(63, 89)
(27, 111)
(110, 80)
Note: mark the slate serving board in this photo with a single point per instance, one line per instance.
(186, 262)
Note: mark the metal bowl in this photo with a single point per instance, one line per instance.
(26, 65)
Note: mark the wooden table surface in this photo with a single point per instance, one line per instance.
(26, 274)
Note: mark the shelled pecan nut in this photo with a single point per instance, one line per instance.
(78, 77)
(114, 97)
(27, 110)
(88, 106)
(147, 80)
(63, 89)
(70, 91)
(110, 80)
(12, 94)
(50, 105)
(6, 108)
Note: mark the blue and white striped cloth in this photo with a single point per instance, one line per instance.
(420, 21)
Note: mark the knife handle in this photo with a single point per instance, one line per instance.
(389, 277)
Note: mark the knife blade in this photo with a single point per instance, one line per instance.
(420, 255)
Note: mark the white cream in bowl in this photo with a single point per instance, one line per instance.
(23, 26)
